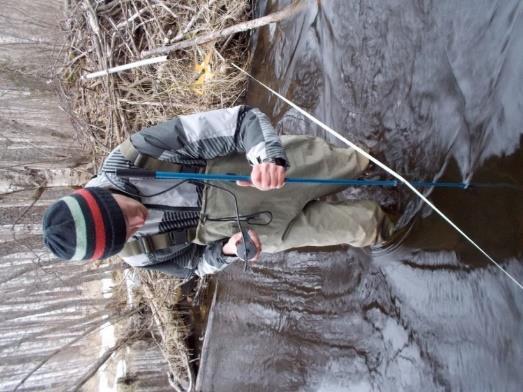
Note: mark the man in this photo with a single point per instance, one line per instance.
(185, 228)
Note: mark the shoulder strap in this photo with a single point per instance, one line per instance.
(154, 242)
(145, 161)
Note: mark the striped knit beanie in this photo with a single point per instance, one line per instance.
(86, 225)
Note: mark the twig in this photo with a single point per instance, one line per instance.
(37, 195)
(99, 363)
(162, 4)
(131, 18)
(287, 12)
(88, 332)
(124, 67)
(180, 36)
(275, 17)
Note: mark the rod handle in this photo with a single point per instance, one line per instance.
(135, 173)
(246, 249)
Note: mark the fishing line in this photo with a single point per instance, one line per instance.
(384, 167)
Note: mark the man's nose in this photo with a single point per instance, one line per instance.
(136, 221)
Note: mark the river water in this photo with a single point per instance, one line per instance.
(435, 90)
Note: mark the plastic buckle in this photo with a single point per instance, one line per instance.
(146, 244)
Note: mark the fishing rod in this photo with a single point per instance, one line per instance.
(168, 175)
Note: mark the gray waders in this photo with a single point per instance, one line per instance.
(299, 219)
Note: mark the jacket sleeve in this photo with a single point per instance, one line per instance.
(193, 139)
(213, 260)
(198, 259)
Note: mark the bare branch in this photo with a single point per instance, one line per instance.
(99, 363)
(86, 333)
(37, 195)
(287, 12)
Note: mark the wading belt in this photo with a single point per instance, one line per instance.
(152, 243)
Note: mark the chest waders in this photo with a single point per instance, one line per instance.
(175, 238)
(286, 218)
(299, 218)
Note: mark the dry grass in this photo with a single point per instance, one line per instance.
(108, 109)
(162, 294)
(103, 34)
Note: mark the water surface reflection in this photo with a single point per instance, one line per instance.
(434, 89)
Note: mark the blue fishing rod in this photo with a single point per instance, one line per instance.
(247, 250)
(167, 175)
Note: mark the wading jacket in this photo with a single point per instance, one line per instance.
(189, 141)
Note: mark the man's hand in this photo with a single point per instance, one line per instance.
(266, 176)
(231, 247)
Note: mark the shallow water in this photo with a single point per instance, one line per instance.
(434, 88)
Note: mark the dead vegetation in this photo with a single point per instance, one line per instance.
(117, 32)
(163, 296)
(103, 34)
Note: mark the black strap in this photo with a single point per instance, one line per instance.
(154, 242)
(144, 161)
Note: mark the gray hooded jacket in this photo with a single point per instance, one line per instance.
(188, 140)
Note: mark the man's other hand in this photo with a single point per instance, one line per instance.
(266, 176)
(231, 247)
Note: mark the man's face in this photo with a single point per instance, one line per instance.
(134, 213)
